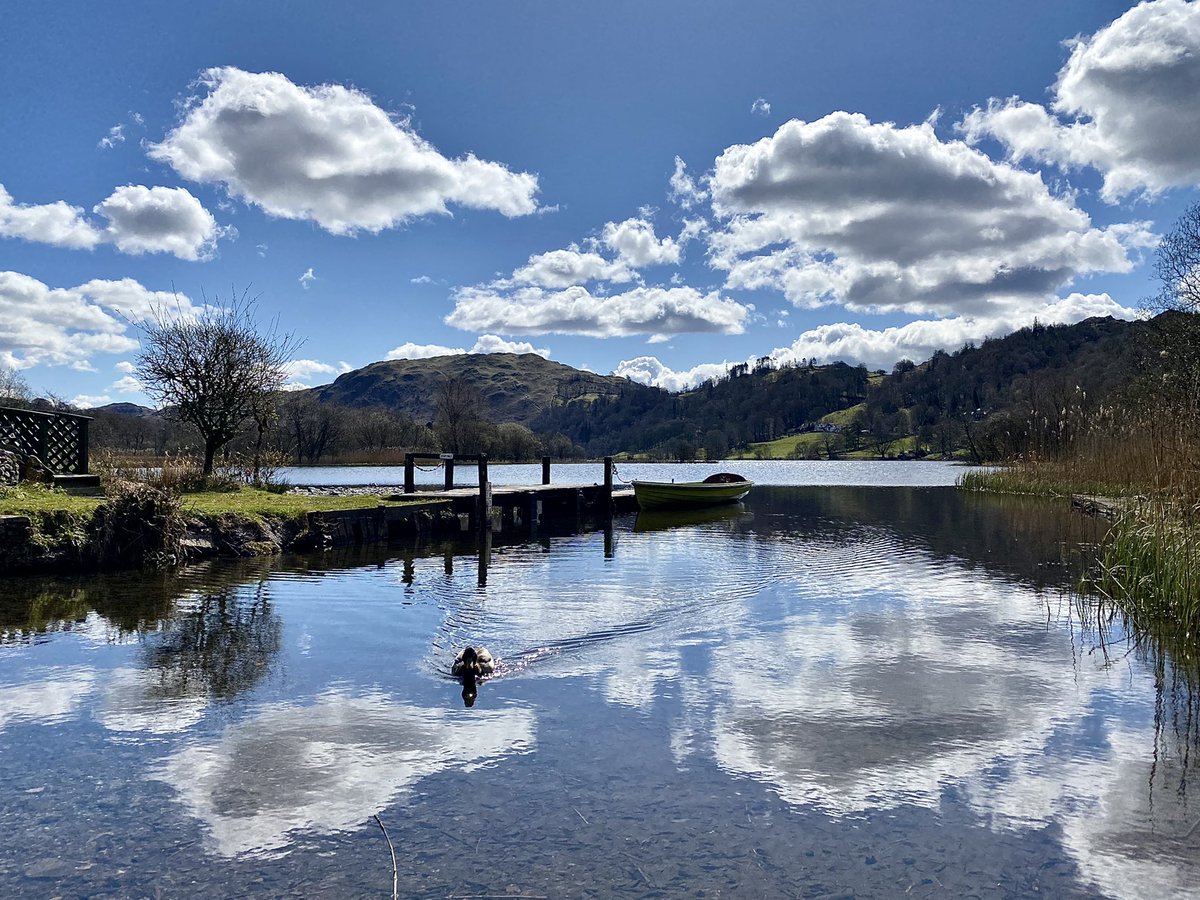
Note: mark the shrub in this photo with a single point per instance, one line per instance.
(140, 524)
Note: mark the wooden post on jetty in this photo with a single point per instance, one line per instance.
(448, 462)
(485, 496)
(410, 480)
(608, 484)
(545, 470)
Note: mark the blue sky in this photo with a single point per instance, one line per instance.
(653, 189)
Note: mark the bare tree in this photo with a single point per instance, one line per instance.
(313, 428)
(214, 369)
(1177, 265)
(14, 389)
(459, 418)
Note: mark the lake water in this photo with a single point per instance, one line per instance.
(826, 691)
(863, 473)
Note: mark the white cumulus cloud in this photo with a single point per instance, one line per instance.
(576, 310)
(882, 218)
(127, 385)
(490, 343)
(409, 350)
(140, 220)
(760, 107)
(881, 348)
(306, 369)
(1124, 103)
(650, 370)
(90, 401)
(307, 278)
(160, 220)
(563, 268)
(635, 242)
(56, 223)
(69, 326)
(486, 343)
(327, 154)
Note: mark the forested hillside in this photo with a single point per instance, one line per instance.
(1006, 395)
(757, 404)
(1012, 392)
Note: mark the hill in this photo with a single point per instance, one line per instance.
(512, 387)
(758, 404)
(944, 404)
(1005, 396)
(122, 409)
(1022, 391)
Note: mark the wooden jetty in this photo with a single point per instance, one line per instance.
(518, 508)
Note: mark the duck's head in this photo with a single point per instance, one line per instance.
(470, 661)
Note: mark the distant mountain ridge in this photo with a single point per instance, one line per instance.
(1003, 384)
(607, 414)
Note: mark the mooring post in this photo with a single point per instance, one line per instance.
(545, 470)
(608, 483)
(448, 461)
(410, 479)
(485, 495)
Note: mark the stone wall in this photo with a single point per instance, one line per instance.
(10, 467)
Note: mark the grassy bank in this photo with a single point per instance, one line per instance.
(35, 500)
(145, 525)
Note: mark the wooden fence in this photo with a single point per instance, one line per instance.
(59, 440)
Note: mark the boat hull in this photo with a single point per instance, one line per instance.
(688, 494)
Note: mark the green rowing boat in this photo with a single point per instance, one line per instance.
(690, 494)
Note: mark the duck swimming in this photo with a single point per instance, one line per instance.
(471, 664)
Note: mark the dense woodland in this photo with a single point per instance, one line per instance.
(749, 405)
(1008, 395)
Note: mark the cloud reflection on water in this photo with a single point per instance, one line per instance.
(328, 766)
(853, 670)
(46, 701)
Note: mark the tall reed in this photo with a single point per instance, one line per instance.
(1145, 452)
(1148, 567)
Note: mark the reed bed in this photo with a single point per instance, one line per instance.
(1145, 453)
(1148, 568)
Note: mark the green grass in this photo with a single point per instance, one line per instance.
(801, 446)
(843, 417)
(784, 447)
(35, 500)
(253, 502)
(1037, 482)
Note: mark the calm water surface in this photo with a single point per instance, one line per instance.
(825, 692)
(865, 473)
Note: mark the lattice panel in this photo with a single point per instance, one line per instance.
(58, 440)
(19, 430)
(63, 443)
